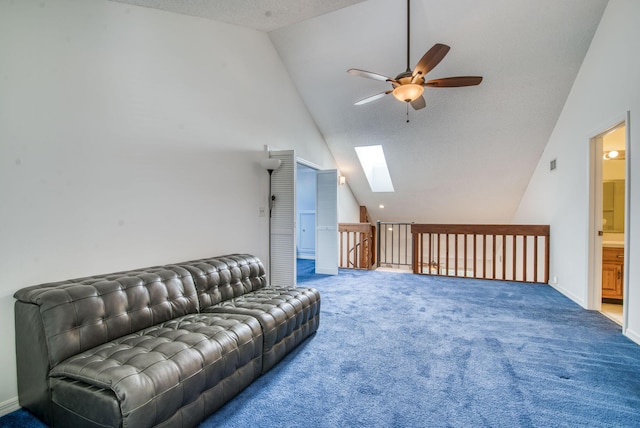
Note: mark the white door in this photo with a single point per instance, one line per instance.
(283, 220)
(327, 222)
(307, 235)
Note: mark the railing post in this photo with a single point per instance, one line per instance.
(378, 243)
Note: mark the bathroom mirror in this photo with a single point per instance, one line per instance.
(613, 206)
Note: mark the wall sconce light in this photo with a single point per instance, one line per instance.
(342, 180)
(270, 164)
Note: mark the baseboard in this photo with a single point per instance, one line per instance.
(633, 336)
(326, 270)
(567, 293)
(11, 405)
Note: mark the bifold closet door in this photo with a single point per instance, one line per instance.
(283, 220)
(327, 222)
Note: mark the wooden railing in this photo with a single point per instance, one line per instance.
(503, 252)
(357, 245)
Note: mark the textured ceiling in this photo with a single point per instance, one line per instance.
(264, 15)
(469, 155)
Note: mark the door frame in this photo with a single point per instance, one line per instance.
(594, 265)
(321, 251)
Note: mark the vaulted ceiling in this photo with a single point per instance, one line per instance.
(468, 156)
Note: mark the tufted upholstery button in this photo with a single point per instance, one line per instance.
(156, 346)
(162, 356)
(287, 317)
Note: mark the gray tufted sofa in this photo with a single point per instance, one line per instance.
(163, 346)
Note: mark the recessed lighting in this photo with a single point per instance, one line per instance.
(380, 206)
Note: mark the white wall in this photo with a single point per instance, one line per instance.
(348, 206)
(607, 85)
(132, 137)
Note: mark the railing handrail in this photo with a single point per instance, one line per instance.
(483, 229)
(396, 222)
(354, 227)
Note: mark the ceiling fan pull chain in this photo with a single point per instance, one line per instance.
(409, 86)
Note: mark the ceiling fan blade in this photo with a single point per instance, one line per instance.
(418, 103)
(454, 82)
(368, 74)
(430, 59)
(372, 98)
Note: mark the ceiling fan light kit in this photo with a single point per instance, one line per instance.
(408, 92)
(409, 86)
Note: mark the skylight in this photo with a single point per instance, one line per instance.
(375, 168)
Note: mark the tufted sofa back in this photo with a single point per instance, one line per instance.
(79, 314)
(58, 320)
(223, 278)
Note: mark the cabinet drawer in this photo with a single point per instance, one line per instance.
(610, 254)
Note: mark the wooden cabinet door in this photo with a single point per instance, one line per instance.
(612, 281)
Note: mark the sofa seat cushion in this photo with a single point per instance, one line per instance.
(162, 369)
(287, 317)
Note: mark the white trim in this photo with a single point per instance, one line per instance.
(632, 335)
(593, 298)
(594, 247)
(307, 163)
(569, 294)
(627, 224)
(11, 405)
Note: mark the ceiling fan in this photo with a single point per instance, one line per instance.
(409, 86)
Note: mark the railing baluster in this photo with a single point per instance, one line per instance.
(438, 253)
(430, 251)
(475, 246)
(502, 258)
(431, 236)
(524, 258)
(514, 250)
(405, 244)
(535, 259)
(493, 255)
(465, 255)
(484, 256)
(446, 255)
(455, 250)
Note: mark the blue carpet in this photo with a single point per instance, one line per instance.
(401, 350)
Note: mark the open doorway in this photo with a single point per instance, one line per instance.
(284, 221)
(317, 223)
(306, 212)
(609, 214)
